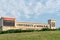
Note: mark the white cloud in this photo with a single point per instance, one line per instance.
(36, 7)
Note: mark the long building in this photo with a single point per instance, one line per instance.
(7, 23)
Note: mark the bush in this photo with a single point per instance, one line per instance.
(3, 32)
(11, 31)
(58, 29)
(28, 30)
(15, 31)
(46, 29)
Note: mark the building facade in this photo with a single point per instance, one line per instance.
(7, 23)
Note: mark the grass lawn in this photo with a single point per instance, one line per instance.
(42, 35)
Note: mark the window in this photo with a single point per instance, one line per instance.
(8, 23)
(53, 24)
(24, 25)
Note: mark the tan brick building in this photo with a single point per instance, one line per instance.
(7, 23)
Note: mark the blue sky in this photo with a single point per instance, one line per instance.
(31, 10)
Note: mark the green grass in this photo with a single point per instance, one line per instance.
(42, 35)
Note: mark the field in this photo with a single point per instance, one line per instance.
(42, 35)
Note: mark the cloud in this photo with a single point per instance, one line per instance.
(19, 8)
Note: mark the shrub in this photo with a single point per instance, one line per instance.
(3, 32)
(46, 29)
(28, 30)
(11, 31)
(15, 31)
(58, 29)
